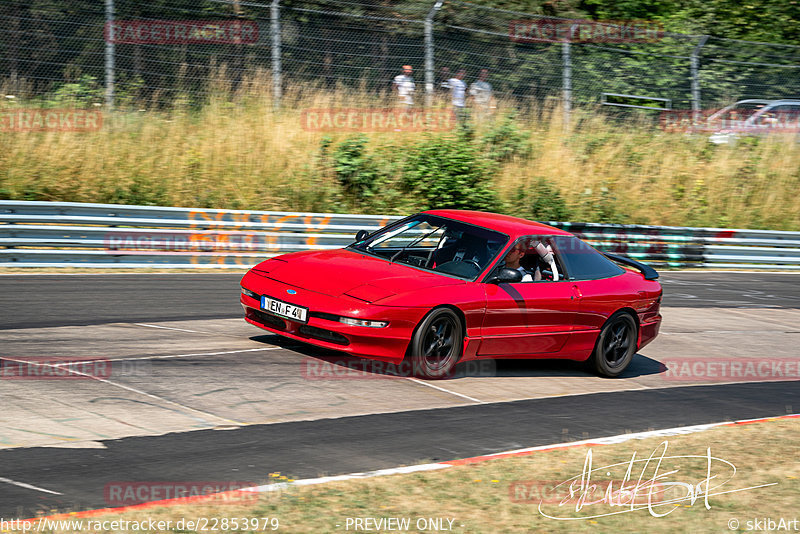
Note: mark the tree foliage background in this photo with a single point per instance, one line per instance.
(56, 47)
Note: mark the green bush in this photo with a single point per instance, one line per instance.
(449, 172)
(540, 201)
(354, 168)
(315, 188)
(86, 91)
(505, 140)
(601, 205)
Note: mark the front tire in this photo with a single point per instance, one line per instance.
(437, 344)
(615, 345)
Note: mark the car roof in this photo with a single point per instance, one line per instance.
(513, 226)
(754, 101)
(784, 101)
(769, 102)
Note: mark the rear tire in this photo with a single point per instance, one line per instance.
(437, 344)
(615, 345)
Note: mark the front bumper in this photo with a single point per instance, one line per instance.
(323, 328)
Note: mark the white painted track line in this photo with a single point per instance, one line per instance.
(202, 332)
(204, 415)
(445, 390)
(162, 357)
(172, 328)
(28, 486)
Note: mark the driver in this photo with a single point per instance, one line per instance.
(544, 252)
(513, 259)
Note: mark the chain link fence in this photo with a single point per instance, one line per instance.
(143, 53)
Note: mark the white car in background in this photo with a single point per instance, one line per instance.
(754, 117)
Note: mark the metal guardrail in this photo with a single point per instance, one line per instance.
(64, 234)
(69, 234)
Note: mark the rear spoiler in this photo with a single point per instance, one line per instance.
(648, 272)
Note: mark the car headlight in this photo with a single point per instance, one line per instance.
(361, 322)
(251, 294)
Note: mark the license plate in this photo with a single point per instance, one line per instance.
(284, 309)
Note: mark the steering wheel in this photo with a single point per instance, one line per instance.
(473, 262)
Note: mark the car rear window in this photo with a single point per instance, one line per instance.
(584, 262)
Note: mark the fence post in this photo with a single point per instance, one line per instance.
(275, 33)
(429, 53)
(695, 68)
(109, 35)
(566, 56)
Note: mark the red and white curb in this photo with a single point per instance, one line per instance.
(621, 438)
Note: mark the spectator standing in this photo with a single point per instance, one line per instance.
(458, 92)
(405, 87)
(481, 93)
(444, 79)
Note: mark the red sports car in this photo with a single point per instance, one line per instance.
(447, 286)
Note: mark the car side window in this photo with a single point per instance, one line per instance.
(778, 115)
(535, 257)
(583, 262)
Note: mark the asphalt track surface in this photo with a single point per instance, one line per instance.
(36, 301)
(309, 449)
(305, 449)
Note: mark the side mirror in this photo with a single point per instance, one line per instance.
(360, 235)
(506, 276)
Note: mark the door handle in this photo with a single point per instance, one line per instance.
(576, 292)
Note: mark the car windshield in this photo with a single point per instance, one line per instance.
(436, 244)
(735, 114)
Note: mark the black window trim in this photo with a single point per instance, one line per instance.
(504, 253)
(396, 223)
(602, 254)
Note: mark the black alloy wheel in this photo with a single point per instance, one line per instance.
(616, 345)
(437, 344)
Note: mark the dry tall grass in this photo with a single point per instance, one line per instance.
(237, 151)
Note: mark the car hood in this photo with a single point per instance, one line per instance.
(344, 272)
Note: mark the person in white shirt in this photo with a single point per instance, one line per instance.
(545, 252)
(458, 92)
(405, 86)
(513, 258)
(481, 92)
